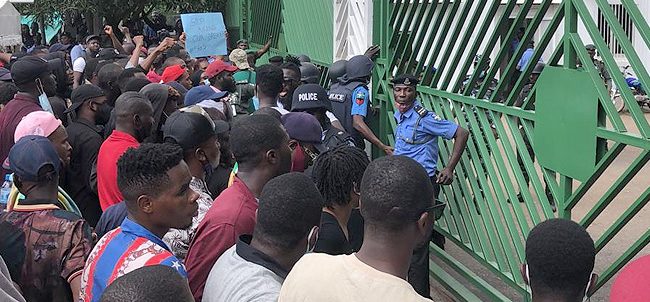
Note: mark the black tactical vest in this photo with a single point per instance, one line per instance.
(341, 97)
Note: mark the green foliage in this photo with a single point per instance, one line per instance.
(115, 10)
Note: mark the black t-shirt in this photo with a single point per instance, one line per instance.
(331, 239)
(218, 181)
(355, 229)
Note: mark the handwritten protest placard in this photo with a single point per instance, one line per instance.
(206, 34)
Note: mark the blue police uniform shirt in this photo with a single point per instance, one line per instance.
(360, 101)
(423, 146)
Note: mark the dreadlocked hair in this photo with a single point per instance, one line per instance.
(143, 170)
(337, 171)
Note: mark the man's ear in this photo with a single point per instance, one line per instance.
(200, 155)
(271, 156)
(137, 121)
(145, 204)
(423, 224)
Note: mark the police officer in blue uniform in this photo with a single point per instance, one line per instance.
(416, 136)
(350, 98)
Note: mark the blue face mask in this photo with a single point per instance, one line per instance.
(206, 82)
(42, 98)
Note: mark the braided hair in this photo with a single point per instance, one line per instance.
(337, 170)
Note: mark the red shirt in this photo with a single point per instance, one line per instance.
(231, 215)
(110, 151)
(21, 105)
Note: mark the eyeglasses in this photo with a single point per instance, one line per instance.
(437, 209)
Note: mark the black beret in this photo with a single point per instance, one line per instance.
(405, 79)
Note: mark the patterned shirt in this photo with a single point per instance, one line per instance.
(179, 240)
(121, 251)
(44, 248)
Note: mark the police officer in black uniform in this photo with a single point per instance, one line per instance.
(313, 99)
(350, 101)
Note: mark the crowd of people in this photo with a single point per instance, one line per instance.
(140, 173)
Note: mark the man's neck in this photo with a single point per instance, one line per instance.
(87, 116)
(266, 101)
(158, 231)
(286, 259)
(390, 254)
(30, 94)
(342, 215)
(126, 130)
(255, 179)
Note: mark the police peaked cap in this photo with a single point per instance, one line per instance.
(405, 79)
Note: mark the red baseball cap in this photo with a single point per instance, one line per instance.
(172, 73)
(218, 67)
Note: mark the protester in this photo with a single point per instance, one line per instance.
(205, 97)
(337, 174)
(350, 100)
(156, 283)
(134, 121)
(270, 81)
(178, 74)
(220, 176)
(127, 74)
(631, 284)
(90, 108)
(91, 50)
(398, 219)
(261, 147)
(164, 100)
(108, 79)
(155, 182)
(194, 131)
(291, 81)
(305, 136)
(245, 79)
(35, 83)
(560, 258)
(243, 45)
(45, 124)
(312, 98)
(47, 265)
(287, 226)
(219, 76)
(7, 92)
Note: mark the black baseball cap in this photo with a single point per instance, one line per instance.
(29, 155)
(304, 127)
(188, 129)
(83, 93)
(310, 96)
(28, 68)
(109, 54)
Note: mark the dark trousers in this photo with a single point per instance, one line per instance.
(419, 269)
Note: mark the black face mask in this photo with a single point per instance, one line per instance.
(103, 114)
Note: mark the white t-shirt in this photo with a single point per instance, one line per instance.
(321, 277)
(79, 64)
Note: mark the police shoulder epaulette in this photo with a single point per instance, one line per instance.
(421, 111)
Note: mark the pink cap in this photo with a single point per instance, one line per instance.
(40, 123)
(632, 282)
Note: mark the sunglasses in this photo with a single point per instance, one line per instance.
(437, 209)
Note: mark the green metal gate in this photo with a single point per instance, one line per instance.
(576, 134)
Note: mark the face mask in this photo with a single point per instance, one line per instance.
(103, 114)
(42, 98)
(206, 82)
(298, 159)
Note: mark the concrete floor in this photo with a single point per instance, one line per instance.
(612, 251)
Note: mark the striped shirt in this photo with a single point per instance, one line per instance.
(121, 251)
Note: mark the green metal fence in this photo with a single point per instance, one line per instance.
(575, 134)
(483, 217)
